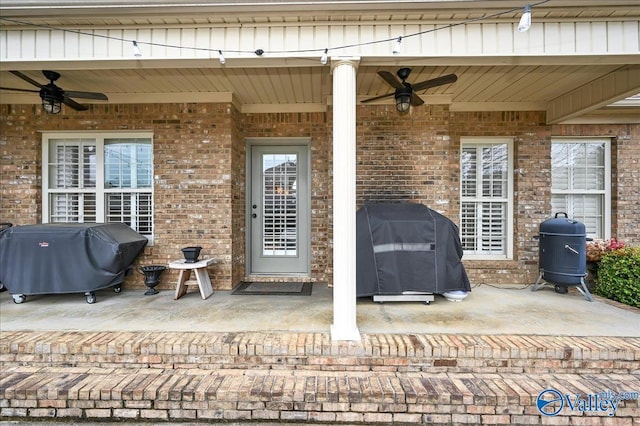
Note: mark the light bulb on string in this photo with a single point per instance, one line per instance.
(136, 50)
(398, 46)
(323, 59)
(525, 20)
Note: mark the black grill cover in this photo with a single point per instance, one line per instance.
(407, 247)
(66, 258)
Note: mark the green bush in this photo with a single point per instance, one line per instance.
(619, 276)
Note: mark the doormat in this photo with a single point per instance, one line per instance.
(273, 289)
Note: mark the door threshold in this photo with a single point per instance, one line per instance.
(278, 278)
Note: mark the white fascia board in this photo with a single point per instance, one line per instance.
(618, 85)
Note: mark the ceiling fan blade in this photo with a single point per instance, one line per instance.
(377, 97)
(416, 100)
(20, 90)
(73, 104)
(438, 81)
(390, 79)
(86, 95)
(26, 78)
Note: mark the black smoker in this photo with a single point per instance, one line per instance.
(563, 255)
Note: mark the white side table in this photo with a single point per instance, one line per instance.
(202, 277)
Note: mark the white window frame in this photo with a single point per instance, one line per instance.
(100, 189)
(606, 192)
(476, 141)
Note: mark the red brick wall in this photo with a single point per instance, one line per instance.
(407, 157)
(200, 160)
(193, 185)
(415, 157)
(20, 163)
(238, 184)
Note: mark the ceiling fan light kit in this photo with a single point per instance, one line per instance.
(51, 104)
(403, 99)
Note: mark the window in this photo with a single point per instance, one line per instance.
(581, 182)
(486, 202)
(99, 178)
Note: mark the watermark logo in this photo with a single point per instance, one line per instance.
(551, 401)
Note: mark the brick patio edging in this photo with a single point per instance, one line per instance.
(304, 377)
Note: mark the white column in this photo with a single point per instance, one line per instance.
(344, 325)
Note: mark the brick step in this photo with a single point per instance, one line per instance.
(316, 351)
(262, 395)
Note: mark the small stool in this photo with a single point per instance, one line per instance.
(202, 277)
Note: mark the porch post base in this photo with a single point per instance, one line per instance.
(345, 333)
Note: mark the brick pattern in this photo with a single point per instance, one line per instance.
(257, 377)
(279, 350)
(238, 185)
(200, 160)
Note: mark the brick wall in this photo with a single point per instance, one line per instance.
(200, 160)
(407, 157)
(20, 163)
(192, 193)
(238, 185)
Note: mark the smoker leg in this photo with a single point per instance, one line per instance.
(584, 290)
(539, 283)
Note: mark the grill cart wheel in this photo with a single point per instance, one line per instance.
(91, 297)
(19, 298)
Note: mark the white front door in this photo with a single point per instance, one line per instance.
(279, 209)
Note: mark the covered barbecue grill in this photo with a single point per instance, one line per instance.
(66, 258)
(563, 255)
(404, 249)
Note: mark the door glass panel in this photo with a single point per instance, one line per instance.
(279, 204)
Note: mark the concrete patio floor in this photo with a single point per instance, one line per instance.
(487, 310)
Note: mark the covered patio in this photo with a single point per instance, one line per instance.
(500, 309)
(202, 80)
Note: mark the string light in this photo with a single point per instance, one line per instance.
(259, 52)
(398, 46)
(525, 21)
(323, 59)
(221, 57)
(136, 50)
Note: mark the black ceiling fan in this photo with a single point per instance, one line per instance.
(53, 96)
(404, 91)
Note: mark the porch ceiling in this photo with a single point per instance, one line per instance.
(308, 88)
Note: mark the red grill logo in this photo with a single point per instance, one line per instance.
(43, 244)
